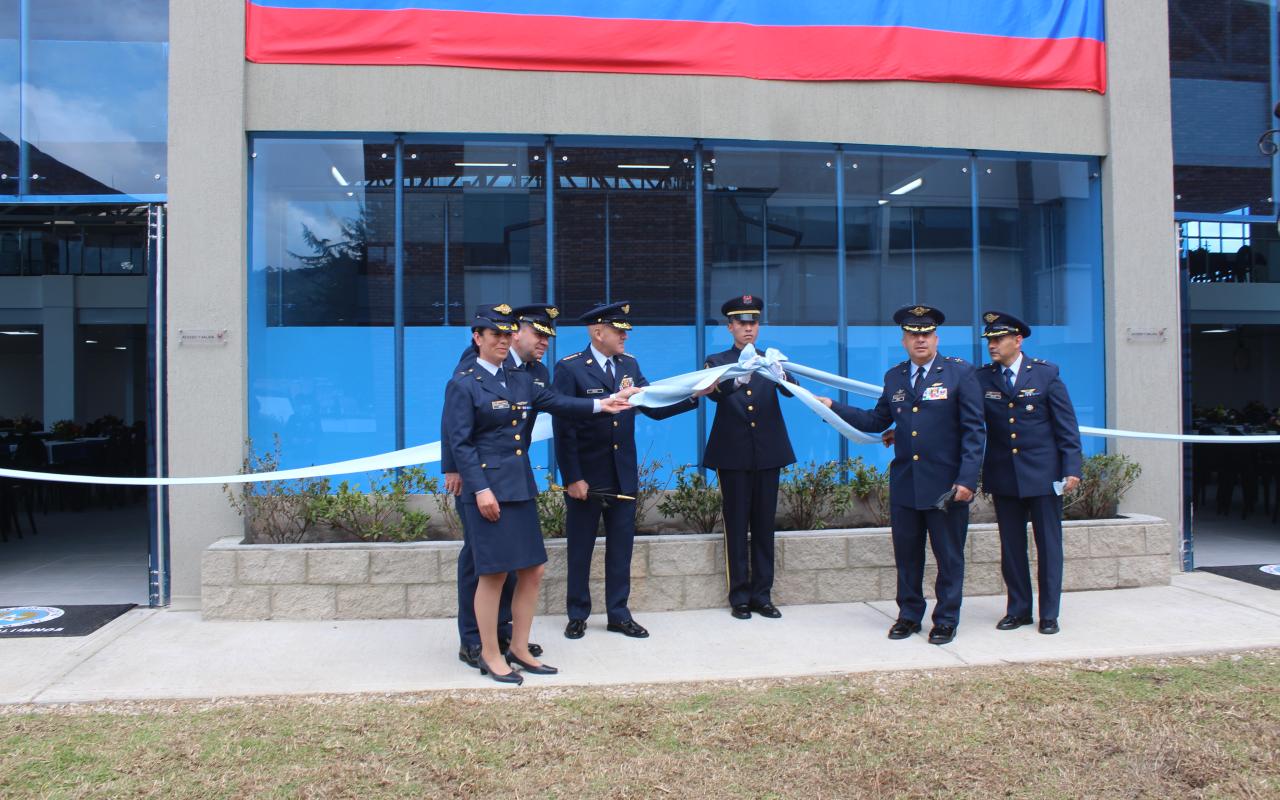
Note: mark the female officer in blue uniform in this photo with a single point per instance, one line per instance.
(485, 408)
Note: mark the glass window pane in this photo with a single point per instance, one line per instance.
(1041, 260)
(908, 236)
(97, 96)
(10, 80)
(321, 349)
(625, 231)
(770, 220)
(1221, 101)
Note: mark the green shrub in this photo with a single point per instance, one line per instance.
(551, 509)
(1105, 479)
(694, 500)
(811, 494)
(648, 488)
(381, 514)
(869, 485)
(277, 512)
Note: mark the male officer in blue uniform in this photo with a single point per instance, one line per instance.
(597, 460)
(936, 407)
(528, 345)
(1033, 443)
(747, 448)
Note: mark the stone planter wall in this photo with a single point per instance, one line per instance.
(670, 572)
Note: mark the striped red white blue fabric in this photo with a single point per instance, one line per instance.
(1045, 44)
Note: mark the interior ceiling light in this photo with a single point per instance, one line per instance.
(337, 176)
(909, 186)
(643, 166)
(20, 333)
(1219, 330)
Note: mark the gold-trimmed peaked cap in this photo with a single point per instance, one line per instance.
(542, 316)
(746, 307)
(998, 323)
(919, 318)
(614, 314)
(495, 317)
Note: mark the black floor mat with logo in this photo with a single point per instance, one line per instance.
(1249, 573)
(22, 622)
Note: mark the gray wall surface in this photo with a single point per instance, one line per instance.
(215, 97)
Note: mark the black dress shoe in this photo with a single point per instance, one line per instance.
(1008, 622)
(576, 629)
(742, 611)
(511, 677)
(1049, 626)
(903, 628)
(541, 669)
(941, 634)
(628, 628)
(504, 644)
(767, 610)
(469, 654)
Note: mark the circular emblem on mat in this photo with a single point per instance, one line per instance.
(18, 616)
(1270, 569)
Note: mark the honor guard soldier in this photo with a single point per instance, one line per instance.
(1033, 455)
(528, 345)
(936, 407)
(747, 448)
(597, 460)
(487, 407)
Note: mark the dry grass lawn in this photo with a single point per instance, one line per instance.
(1181, 727)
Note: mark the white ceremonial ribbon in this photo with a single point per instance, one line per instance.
(770, 365)
(664, 392)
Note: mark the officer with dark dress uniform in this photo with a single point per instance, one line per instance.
(487, 407)
(1033, 442)
(597, 460)
(528, 345)
(747, 448)
(936, 407)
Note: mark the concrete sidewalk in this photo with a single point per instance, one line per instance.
(166, 654)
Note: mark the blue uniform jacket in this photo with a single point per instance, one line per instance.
(1032, 436)
(748, 432)
(602, 450)
(488, 427)
(537, 370)
(938, 437)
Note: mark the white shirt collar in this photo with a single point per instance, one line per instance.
(490, 368)
(1016, 366)
(928, 367)
(601, 358)
(514, 356)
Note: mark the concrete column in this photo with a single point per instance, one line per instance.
(206, 274)
(1144, 375)
(59, 342)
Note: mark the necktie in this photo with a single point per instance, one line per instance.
(1008, 380)
(502, 376)
(915, 387)
(608, 372)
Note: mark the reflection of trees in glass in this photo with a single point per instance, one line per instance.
(328, 285)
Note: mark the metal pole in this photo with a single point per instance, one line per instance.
(842, 314)
(24, 50)
(977, 260)
(399, 292)
(608, 287)
(548, 202)
(158, 590)
(699, 306)
(1275, 95)
(445, 239)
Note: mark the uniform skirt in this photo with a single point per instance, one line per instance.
(513, 542)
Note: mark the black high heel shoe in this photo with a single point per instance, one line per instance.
(543, 669)
(511, 677)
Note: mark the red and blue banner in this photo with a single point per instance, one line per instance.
(1042, 44)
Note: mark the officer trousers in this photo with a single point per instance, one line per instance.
(582, 518)
(468, 629)
(750, 502)
(946, 532)
(1045, 512)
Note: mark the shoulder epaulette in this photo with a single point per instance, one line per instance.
(571, 356)
(628, 355)
(1040, 361)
